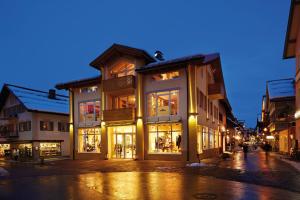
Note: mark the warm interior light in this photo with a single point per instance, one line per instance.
(270, 137)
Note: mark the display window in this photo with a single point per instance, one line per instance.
(165, 138)
(211, 138)
(3, 149)
(89, 140)
(50, 149)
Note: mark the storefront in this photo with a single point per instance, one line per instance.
(49, 149)
(123, 142)
(4, 150)
(89, 140)
(25, 150)
(208, 141)
(165, 138)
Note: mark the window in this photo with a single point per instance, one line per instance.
(163, 103)
(63, 126)
(220, 117)
(89, 111)
(89, 89)
(25, 126)
(204, 138)
(211, 139)
(50, 149)
(46, 126)
(89, 140)
(124, 102)
(124, 70)
(165, 138)
(166, 76)
(199, 139)
(216, 140)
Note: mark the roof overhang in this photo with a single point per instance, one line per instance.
(117, 50)
(79, 83)
(292, 30)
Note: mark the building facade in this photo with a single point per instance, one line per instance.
(292, 50)
(278, 109)
(142, 108)
(33, 122)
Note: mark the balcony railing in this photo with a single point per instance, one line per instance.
(123, 114)
(215, 91)
(120, 83)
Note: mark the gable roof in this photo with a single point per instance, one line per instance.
(35, 100)
(282, 88)
(292, 30)
(79, 83)
(117, 50)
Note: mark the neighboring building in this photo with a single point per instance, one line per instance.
(278, 108)
(292, 50)
(141, 108)
(33, 121)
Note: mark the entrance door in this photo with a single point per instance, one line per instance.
(124, 142)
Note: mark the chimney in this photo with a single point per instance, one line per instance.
(52, 94)
(159, 55)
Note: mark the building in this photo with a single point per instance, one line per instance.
(292, 50)
(34, 122)
(278, 108)
(141, 107)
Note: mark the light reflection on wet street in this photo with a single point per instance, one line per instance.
(135, 185)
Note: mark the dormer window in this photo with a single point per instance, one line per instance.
(166, 76)
(124, 70)
(88, 89)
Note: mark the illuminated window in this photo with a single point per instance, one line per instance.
(124, 102)
(46, 126)
(89, 111)
(211, 139)
(50, 149)
(199, 139)
(89, 89)
(163, 103)
(165, 138)
(124, 70)
(89, 140)
(166, 76)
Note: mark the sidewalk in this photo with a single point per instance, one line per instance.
(285, 159)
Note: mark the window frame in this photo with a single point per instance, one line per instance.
(94, 115)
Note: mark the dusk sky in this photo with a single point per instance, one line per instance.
(43, 43)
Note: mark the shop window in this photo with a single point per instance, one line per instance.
(211, 139)
(25, 126)
(204, 138)
(163, 103)
(4, 150)
(46, 126)
(63, 126)
(50, 149)
(199, 139)
(89, 111)
(165, 138)
(216, 140)
(91, 89)
(166, 76)
(89, 140)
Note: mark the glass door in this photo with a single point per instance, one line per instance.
(128, 146)
(119, 146)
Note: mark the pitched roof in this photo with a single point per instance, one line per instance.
(292, 30)
(281, 88)
(204, 58)
(117, 50)
(36, 100)
(79, 83)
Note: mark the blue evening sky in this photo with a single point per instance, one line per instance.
(47, 42)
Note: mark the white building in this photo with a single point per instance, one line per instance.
(33, 121)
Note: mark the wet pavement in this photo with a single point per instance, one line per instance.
(253, 178)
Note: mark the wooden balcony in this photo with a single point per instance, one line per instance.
(216, 91)
(119, 84)
(124, 114)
